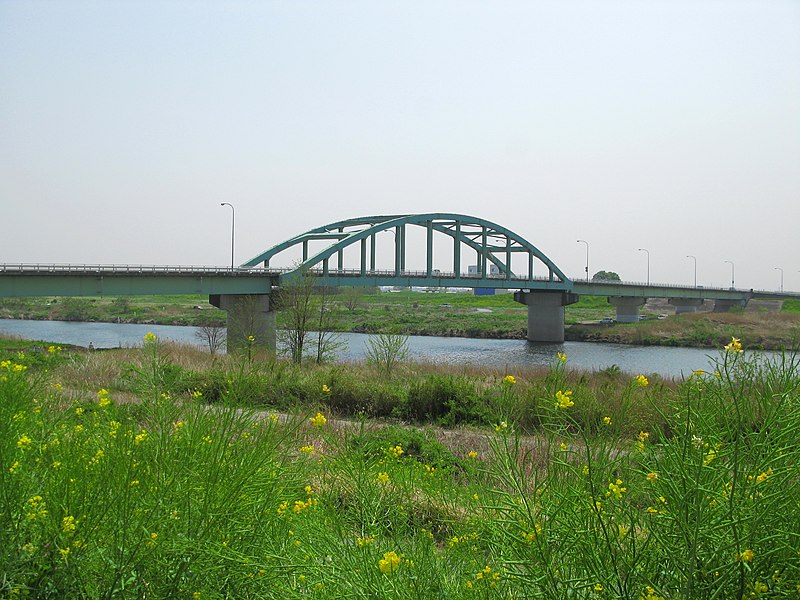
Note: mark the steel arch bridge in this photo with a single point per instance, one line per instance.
(492, 244)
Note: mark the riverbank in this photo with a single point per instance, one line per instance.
(162, 472)
(445, 315)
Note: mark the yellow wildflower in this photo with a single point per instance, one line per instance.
(606, 420)
(746, 556)
(365, 541)
(562, 357)
(510, 380)
(307, 449)
(472, 454)
(563, 399)
(764, 475)
(150, 338)
(734, 346)
(616, 489)
(389, 563)
(325, 389)
(319, 420)
(395, 451)
(382, 478)
(651, 477)
(641, 381)
(69, 524)
(501, 426)
(23, 442)
(650, 594)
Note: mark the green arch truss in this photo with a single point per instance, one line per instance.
(493, 244)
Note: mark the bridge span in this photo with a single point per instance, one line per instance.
(501, 259)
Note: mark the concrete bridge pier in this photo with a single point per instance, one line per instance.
(627, 308)
(685, 305)
(726, 305)
(248, 315)
(545, 313)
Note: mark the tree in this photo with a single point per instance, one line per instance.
(212, 336)
(351, 297)
(387, 350)
(295, 302)
(304, 307)
(327, 342)
(605, 276)
(76, 309)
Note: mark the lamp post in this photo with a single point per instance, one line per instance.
(648, 263)
(233, 227)
(733, 272)
(781, 270)
(587, 258)
(694, 258)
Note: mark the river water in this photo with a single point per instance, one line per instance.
(502, 354)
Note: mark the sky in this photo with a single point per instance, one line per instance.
(668, 125)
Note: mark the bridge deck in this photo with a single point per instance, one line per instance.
(124, 280)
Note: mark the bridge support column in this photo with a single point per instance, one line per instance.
(627, 308)
(685, 305)
(545, 314)
(726, 305)
(248, 315)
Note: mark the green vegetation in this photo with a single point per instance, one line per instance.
(162, 310)
(791, 306)
(163, 472)
(762, 330)
(606, 276)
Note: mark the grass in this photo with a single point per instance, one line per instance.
(163, 473)
(762, 330)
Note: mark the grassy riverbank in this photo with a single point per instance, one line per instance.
(163, 472)
(458, 314)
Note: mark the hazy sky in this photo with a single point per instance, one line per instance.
(670, 125)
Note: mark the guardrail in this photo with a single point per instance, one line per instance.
(132, 269)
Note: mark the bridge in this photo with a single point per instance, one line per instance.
(501, 260)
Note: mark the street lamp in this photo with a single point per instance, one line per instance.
(695, 267)
(233, 227)
(587, 258)
(781, 270)
(733, 272)
(648, 263)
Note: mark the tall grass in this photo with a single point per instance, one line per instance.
(569, 492)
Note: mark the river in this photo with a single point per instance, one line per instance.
(502, 354)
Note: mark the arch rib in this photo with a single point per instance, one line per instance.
(462, 228)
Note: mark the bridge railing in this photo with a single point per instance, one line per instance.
(129, 269)
(418, 274)
(582, 281)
